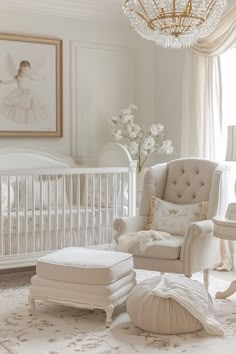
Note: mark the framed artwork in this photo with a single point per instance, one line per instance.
(30, 86)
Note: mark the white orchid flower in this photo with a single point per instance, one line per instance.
(140, 144)
(126, 111)
(117, 134)
(166, 147)
(133, 148)
(137, 128)
(148, 143)
(132, 135)
(129, 128)
(156, 129)
(127, 118)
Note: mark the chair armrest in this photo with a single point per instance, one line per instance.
(196, 231)
(129, 224)
(200, 228)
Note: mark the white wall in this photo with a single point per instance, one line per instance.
(168, 94)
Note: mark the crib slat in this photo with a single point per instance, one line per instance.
(106, 211)
(33, 212)
(49, 214)
(41, 213)
(86, 210)
(56, 210)
(114, 197)
(17, 214)
(122, 191)
(71, 208)
(91, 241)
(26, 215)
(99, 208)
(78, 210)
(1, 217)
(9, 214)
(63, 212)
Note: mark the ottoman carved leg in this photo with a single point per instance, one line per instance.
(109, 311)
(31, 305)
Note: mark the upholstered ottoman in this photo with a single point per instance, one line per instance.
(83, 278)
(172, 304)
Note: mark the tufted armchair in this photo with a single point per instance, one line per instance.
(182, 181)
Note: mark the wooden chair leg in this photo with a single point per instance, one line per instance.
(206, 274)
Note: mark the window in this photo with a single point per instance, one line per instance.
(228, 72)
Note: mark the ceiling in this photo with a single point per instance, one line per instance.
(89, 10)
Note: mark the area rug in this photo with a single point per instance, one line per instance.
(57, 329)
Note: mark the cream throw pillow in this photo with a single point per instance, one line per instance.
(175, 218)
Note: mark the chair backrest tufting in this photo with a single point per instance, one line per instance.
(189, 181)
(186, 181)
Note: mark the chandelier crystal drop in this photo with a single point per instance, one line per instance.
(174, 23)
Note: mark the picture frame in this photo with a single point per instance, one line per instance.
(30, 86)
(231, 212)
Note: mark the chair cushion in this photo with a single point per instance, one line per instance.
(164, 249)
(84, 266)
(175, 218)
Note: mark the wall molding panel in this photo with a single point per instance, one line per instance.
(102, 81)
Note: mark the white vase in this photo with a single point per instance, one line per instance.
(139, 184)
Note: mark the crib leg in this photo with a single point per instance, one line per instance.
(31, 305)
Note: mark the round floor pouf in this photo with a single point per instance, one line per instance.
(158, 315)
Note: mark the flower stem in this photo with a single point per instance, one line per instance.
(143, 162)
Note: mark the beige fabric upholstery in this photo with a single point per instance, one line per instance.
(84, 266)
(88, 294)
(99, 290)
(83, 278)
(168, 250)
(156, 314)
(182, 181)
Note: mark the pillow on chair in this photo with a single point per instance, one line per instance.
(175, 218)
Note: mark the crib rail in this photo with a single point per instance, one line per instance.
(45, 210)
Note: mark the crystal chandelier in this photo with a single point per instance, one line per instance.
(173, 23)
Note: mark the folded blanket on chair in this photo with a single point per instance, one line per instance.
(144, 239)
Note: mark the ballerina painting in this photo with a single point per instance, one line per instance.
(23, 103)
(30, 86)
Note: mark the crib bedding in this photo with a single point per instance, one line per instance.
(43, 231)
(43, 220)
(48, 241)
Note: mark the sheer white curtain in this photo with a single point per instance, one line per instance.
(202, 100)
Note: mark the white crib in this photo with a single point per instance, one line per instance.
(48, 202)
